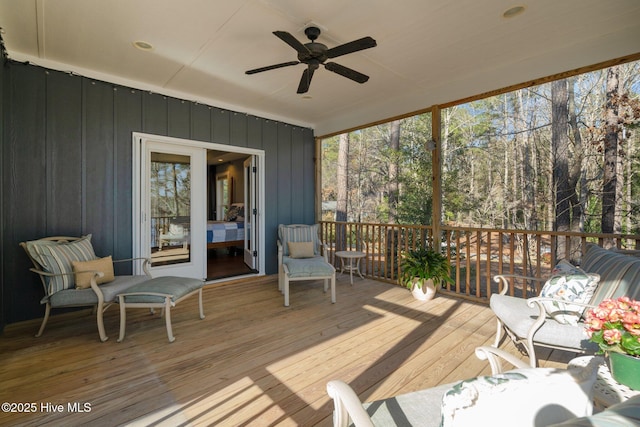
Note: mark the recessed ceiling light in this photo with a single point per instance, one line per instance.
(513, 11)
(142, 45)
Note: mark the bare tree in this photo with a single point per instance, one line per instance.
(394, 140)
(560, 159)
(579, 199)
(342, 190)
(611, 167)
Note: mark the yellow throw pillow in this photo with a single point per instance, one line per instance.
(84, 271)
(301, 249)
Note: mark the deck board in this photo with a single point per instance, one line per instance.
(251, 361)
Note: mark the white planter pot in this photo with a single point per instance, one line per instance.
(425, 292)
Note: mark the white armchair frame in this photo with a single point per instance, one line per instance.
(75, 298)
(284, 275)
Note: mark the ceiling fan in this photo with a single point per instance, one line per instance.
(315, 54)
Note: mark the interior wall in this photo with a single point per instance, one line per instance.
(67, 166)
(235, 172)
(236, 169)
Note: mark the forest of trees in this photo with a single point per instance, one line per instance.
(562, 156)
(170, 189)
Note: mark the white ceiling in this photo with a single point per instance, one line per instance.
(429, 51)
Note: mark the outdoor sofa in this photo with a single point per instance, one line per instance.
(548, 322)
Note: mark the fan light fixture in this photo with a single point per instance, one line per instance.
(142, 45)
(513, 12)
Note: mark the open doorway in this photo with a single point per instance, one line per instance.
(198, 224)
(229, 226)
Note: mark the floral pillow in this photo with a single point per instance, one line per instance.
(522, 397)
(571, 284)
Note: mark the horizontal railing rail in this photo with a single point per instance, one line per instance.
(476, 254)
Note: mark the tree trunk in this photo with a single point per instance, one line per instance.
(342, 191)
(610, 166)
(577, 179)
(560, 158)
(392, 196)
(394, 141)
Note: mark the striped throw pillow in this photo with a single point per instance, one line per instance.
(57, 257)
(299, 233)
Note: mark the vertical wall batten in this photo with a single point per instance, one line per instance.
(308, 173)
(128, 119)
(254, 132)
(297, 170)
(99, 170)
(179, 119)
(24, 190)
(272, 219)
(114, 172)
(3, 137)
(63, 153)
(238, 130)
(200, 122)
(220, 123)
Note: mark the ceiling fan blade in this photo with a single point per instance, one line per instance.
(305, 81)
(354, 46)
(272, 67)
(346, 72)
(292, 41)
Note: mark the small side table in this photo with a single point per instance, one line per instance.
(354, 258)
(606, 390)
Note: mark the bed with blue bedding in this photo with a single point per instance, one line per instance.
(221, 234)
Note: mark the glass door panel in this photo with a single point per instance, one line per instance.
(173, 208)
(170, 197)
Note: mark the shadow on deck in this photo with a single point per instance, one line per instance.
(250, 361)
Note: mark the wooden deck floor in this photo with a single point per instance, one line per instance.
(252, 361)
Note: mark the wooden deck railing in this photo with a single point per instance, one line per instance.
(476, 254)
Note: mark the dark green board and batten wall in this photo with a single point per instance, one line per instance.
(67, 166)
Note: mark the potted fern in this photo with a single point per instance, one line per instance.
(423, 271)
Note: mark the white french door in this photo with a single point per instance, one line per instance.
(170, 204)
(250, 213)
(171, 207)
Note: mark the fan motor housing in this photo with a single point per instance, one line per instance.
(317, 51)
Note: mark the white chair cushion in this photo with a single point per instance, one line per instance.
(519, 318)
(308, 267)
